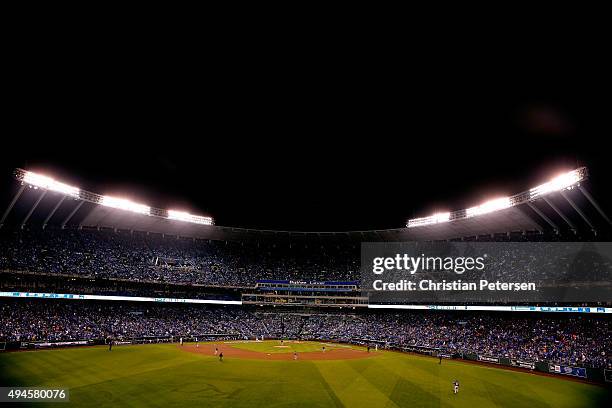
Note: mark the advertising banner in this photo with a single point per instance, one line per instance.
(523, 364)
(489, 359)
(567, 370)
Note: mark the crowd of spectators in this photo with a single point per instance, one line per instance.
(61, 321)
(142, 257)
(155, 258)
(572, 340)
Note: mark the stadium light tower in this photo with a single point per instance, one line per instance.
(565, 181)
(184, 216)
(123, 204)
(489, 206)
(434, 219)
(561, 182)
(46, 183)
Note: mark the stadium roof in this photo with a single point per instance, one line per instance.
(562, 205)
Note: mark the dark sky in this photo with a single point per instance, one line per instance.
(316, 149)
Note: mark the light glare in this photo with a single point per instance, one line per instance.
(185, 216)
(124, 204)
(434, 219)
(489, 206)
(560, 182)
(48, 183)
(564, 181)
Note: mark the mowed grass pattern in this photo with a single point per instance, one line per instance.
(165, 376)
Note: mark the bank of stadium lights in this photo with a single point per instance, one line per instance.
(123, 204)
(563, 181)
(434, 219)
(47, 183)
(489, 206)
(184, 216)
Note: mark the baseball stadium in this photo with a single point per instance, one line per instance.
(109, 302)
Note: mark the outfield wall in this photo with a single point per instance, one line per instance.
(598, 375)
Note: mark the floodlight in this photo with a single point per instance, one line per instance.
(489, 206)
(434, 219)
(38, 180)
(561, 182)
(123, 204)
(185, 216)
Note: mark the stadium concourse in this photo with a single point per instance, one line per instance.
(58, 239)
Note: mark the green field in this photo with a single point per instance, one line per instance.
(166, 376)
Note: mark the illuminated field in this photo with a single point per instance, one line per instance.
(275, 346)
(169, 376)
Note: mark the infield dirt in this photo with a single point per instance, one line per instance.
(232, 352)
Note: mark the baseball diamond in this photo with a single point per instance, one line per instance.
(252, 375)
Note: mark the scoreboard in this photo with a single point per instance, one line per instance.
(306, 293)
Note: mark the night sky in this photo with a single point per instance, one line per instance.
(319, 152)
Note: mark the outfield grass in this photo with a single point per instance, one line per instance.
(165, 376)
